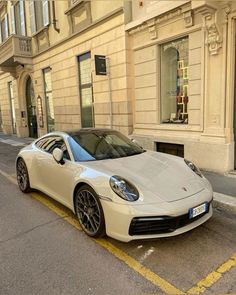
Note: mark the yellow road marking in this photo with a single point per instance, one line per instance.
(165, 286)
(131, 262)
(213, 277)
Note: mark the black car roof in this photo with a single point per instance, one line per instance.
(89, 130)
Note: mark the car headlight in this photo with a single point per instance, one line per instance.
(124, 188)
(193, 167)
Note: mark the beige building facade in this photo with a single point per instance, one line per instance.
(170, 71)
(184, 79)
(47, 66)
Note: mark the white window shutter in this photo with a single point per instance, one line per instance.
(22, 18)
(6, 26)
(32, 16)
(45, 12)
(13, 24)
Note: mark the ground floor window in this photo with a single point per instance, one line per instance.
(49, 99)
(174, 81)
(86, 91)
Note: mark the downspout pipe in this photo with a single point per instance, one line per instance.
(54, 20)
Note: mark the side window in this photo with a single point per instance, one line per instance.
(42, 142)
(48, 144)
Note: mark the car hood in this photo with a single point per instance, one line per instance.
(157, 176)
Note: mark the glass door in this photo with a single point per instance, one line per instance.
(86, 90)
(31, 109)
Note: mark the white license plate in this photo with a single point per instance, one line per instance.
(193, 212)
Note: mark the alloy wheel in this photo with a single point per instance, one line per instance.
(88, 212)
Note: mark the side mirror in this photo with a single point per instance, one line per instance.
(58, 156)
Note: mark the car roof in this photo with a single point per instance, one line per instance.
(88, 130)
(79, 131)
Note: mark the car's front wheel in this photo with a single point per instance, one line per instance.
(22, 176)
(89, 212)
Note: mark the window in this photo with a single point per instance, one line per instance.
(39, 14)
(100, 145)
(86, 92)
(48, 144)
(18, 18)
(4, 31)
(49, 99)
(174, 81)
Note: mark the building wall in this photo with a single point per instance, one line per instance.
(105, 35)
(205, 139)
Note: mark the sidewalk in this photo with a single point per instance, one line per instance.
(224, 186)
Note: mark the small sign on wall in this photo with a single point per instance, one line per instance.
(100, 65)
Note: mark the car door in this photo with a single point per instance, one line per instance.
(57, 180)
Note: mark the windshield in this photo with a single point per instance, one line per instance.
(100, 145)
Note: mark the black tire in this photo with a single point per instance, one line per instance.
(89, 211)
(22, 176)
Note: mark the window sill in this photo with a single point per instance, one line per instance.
(43, 29)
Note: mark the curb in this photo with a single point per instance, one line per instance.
(225, 202)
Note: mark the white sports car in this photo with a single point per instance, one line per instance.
(114, 186)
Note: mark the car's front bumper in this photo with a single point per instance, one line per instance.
(119, 217)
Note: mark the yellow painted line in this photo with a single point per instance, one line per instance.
(128, 260)
(131, 262)
(213, 277)
(161, 283)
(139, 268)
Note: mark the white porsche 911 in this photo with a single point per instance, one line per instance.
(114, 186)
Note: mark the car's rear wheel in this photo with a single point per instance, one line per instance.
(89, 212)
(22, 176)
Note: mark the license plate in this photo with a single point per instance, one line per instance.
(193, 212)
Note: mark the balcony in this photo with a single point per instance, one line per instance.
(14, 51)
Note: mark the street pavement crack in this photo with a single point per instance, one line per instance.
(32, 229)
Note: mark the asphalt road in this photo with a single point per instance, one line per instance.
(43, 251)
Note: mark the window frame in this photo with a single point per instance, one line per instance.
(85, 86)
(4, 31)
(18, 26)
(185, 99)
(53, 137)
(45, 18)
(45, 96)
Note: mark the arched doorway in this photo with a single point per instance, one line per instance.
(31, 109)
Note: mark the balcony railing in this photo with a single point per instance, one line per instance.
(15, 50)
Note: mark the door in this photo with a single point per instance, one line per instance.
(86, 90)
(31, 109)
(55, 179)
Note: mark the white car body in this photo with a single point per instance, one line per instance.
(166, 186)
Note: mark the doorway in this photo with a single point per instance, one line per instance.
(31, 109)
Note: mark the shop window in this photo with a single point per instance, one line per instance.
(18, 18)
(4, 31)
(39, 15)
(49, 99)
(174, 81)
(86, 93)
(170, 148)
